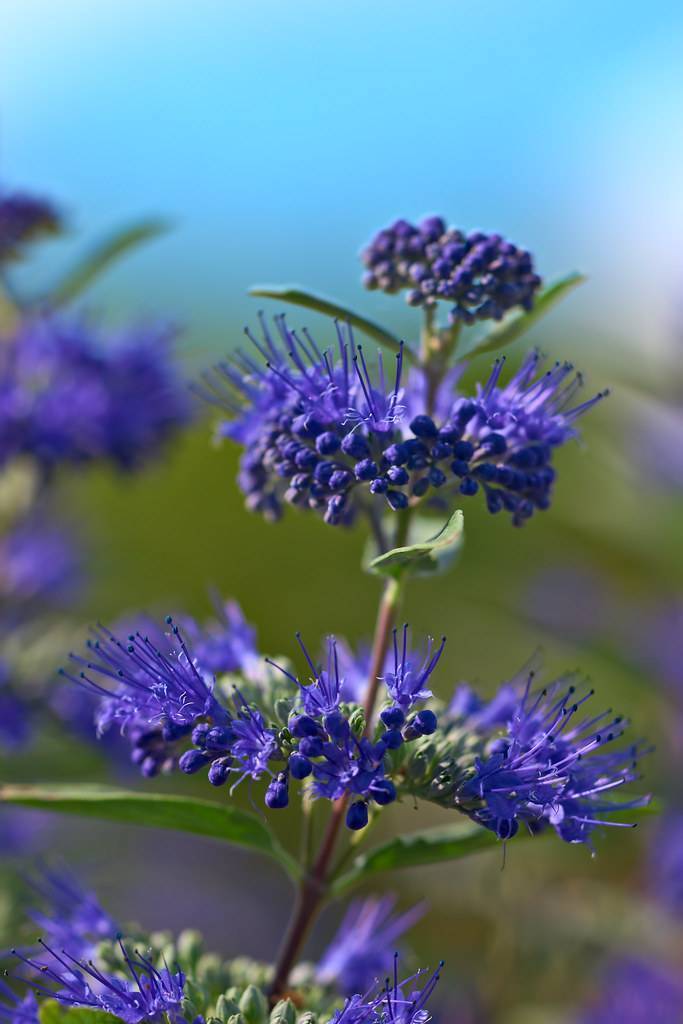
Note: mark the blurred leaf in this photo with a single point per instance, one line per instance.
(429, 557)
(52, 1012)
(519, 323)
(185, 814)
(101, 257)
(444, 843)
(431, 846)
(299, 297)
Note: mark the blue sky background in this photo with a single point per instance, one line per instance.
(278, 136)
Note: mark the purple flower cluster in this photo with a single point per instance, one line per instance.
(147, 994)
(482, 276)
(399, 1002)
(322, 433)
(326, 747)
(38, 565)
(551, 766)
(68, 394)
(23, 218)
(73, 917)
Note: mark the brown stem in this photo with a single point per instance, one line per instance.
(314, 885)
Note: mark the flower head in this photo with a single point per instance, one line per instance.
(227, 644)
(363, 948)
(150, 687)
(320, 433)
(552, 766)
(481, 276)
(69, 395)
(22, 219)
(407, 683)
(73, 917)
(145, 994)
(38, 565)
(399, 1002)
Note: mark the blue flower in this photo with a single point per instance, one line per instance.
(321, 695)
(38, 566)
(146, 994)
(15, 1010)
(482, 276)
(363, 948)
(15, 713)
(73, 917)
(319, 434)
(24, 218)
(552, 767)
(407, 682)
(159, 694)
(227, 644)
(69, 395)
(393, 1004)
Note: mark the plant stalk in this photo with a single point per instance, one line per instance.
(313, 888)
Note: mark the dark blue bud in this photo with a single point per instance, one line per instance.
(397, 500)
(463, 450)
(311, 746)
(425, 722)
(495, 443)
(487, 471)
(192, 761)
(393, 718)
(393, 739)
(420, 487)
(218, 738)
(398, 475)
(506, 828)
(219, 771)
(340, 480)
(299, 766)
(460, 467)
(424, 426)
(151, 767)
(336, 725)
(366, 469)
(355, 446)
(383, 791)
(323, 471)
(306, 458)
(357, 816)
(379, 749)
(494, 501)
(307, 426)
(466, 412)
(469, 486)
(327, 443)
(396, 454)
(437, 477)
(303, 725)
(379, 485)
(441, 450)
(277, 793)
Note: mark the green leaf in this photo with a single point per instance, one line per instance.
(444, 843)
(52, 1012)
(519, 323)
(299, 297)
(434, 555)
(101, 257)
(157, 810)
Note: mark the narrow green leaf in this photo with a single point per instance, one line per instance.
(432, 556)
(519, 323)
(101, 257)
(299, 297)
(185, 814)
(52, 1012)
(444, 843)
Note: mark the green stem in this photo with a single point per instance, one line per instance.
(315, 885)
